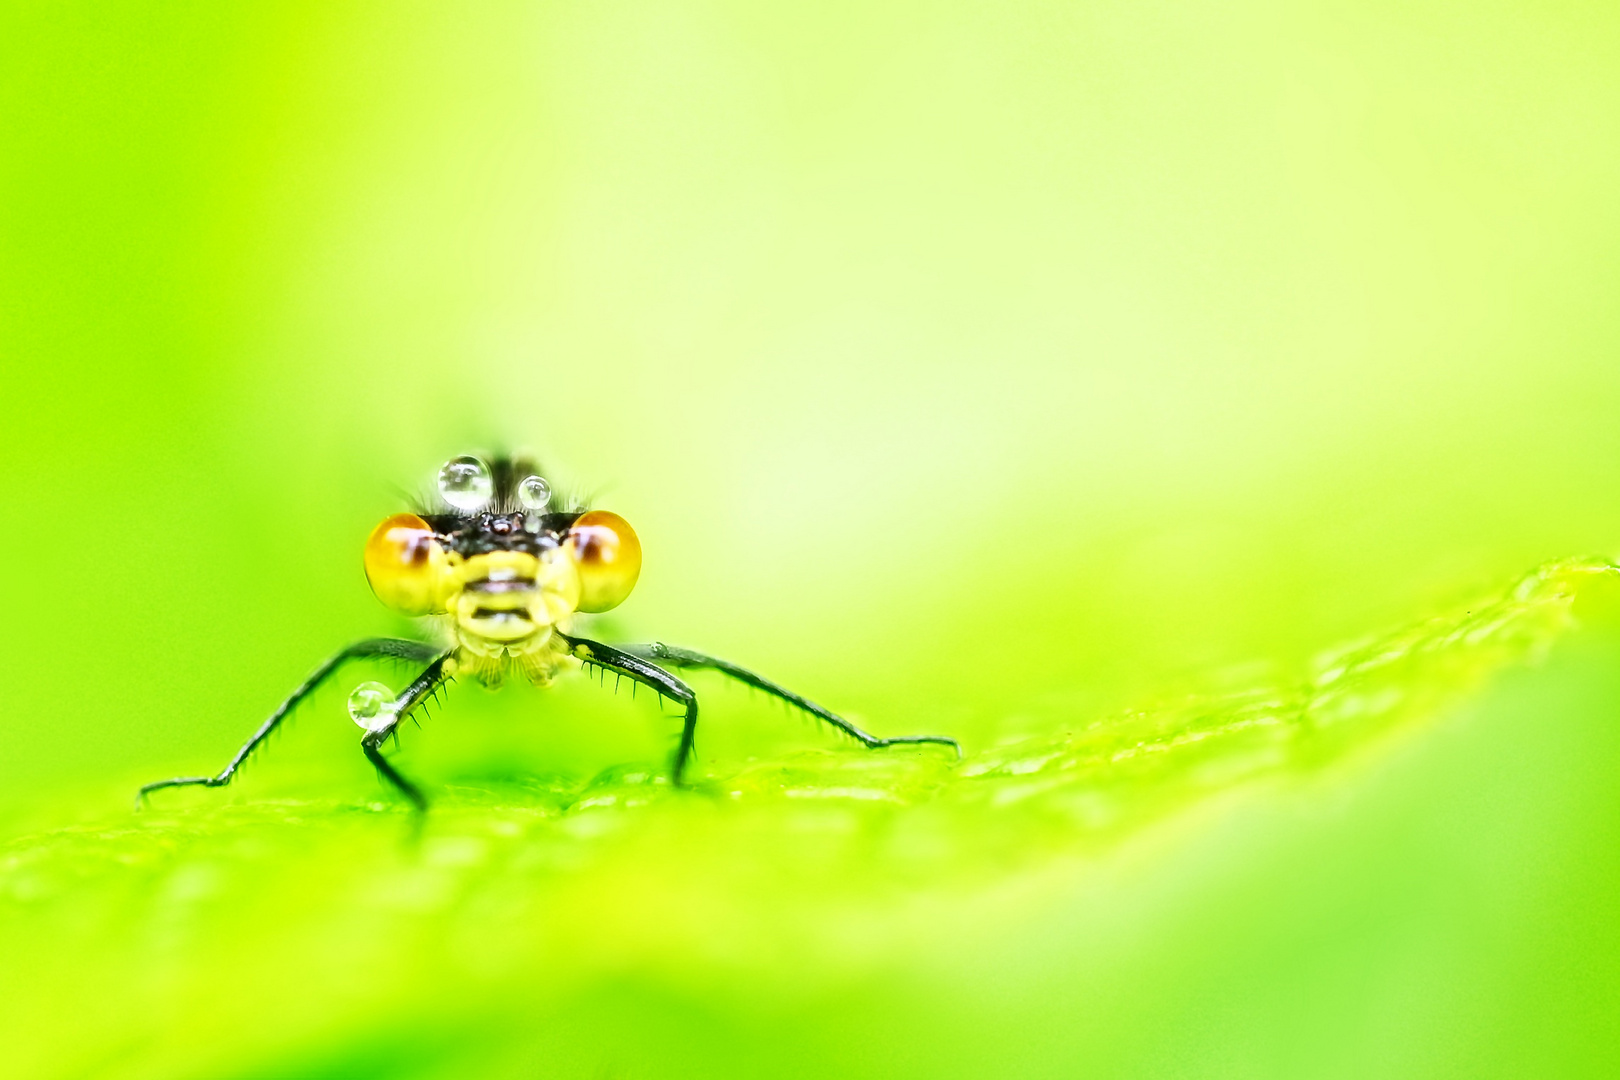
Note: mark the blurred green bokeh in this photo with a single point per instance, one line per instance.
(987, 369)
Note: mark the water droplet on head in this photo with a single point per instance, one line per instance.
(466, 483)
(371, 705)
(534, 493)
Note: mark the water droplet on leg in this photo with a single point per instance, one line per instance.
(372, 705)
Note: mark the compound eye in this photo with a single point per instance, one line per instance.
(405, 565)
(605, 549)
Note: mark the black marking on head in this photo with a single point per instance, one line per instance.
(480, 534)
(504, 525)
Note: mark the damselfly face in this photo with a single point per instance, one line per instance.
(501, 560)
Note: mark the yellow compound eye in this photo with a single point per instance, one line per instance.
(608, 555)
(405, 565)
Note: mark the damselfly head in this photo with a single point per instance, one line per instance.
(499, 555)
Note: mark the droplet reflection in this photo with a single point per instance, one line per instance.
(466, 483)
(371, 705)
(534, 493)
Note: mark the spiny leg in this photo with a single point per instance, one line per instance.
(638, 670)
(677, 657)
(409, 698)
(395, 647)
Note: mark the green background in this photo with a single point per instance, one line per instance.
(978, 369)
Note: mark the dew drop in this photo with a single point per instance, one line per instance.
(466, 483)
(371, 705)
(534, 493)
